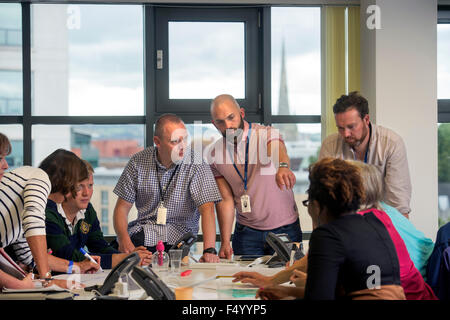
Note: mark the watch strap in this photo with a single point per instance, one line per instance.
(210, 250)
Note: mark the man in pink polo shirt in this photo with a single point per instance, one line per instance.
(251, 167)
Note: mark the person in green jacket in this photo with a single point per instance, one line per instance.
(73, 224)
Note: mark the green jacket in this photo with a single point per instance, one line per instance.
(86, 233)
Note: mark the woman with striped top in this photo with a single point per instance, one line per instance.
(23, 197)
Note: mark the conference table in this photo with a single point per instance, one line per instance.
(209, 281)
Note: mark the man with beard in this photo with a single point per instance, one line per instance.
(251, 167)
(171, 190)
(359, 139)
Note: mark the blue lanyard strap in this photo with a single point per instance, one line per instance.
(244, 179)
(368, 143)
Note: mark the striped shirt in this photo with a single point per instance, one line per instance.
(23, 197)
(192, 185)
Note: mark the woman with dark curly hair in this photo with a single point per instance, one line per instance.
(350, 256)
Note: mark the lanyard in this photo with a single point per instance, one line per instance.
(365, 156)
(368, 143)
(162, 191)
(244, 179)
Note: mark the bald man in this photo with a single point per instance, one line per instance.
(251, 167)
(170, 191)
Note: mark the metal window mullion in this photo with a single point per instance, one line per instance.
(266, 65)
(95, 120)
(296, 119)
(323, 75)
(26, 83)
(443, 110)
(149, 72)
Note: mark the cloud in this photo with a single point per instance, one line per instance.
(303, 81)
(88, 98)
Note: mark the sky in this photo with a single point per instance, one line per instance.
(206, 59)
(105, 56)
(443, 61)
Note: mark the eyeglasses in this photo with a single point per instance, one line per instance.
(305, 202)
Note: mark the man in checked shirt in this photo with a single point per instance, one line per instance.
(171, 187)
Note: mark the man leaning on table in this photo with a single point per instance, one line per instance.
(171, 187)
(360, 139)
(251, 167)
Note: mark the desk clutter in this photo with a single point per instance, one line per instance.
(177, 275)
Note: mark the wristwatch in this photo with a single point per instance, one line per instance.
(210, 250)
(283, 165)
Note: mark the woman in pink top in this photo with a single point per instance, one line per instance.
(412, 281)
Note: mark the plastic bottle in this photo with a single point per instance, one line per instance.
(160, 260)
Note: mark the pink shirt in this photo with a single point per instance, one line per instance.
(270, 207)
(412, 281)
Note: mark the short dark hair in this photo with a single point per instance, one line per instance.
(64, 169)
(5, 145)
(352, 100)
(337, 185)
(162, 120)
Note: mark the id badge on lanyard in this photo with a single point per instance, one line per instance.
(161, 216)
(161, 211)
(245, 198)
(245, 203)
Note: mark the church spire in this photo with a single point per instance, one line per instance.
(283, 102)
(290, 132)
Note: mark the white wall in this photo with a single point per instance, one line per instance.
(399, 77)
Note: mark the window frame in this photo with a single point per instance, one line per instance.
(248, 16)
(258, 73)
(443, 104)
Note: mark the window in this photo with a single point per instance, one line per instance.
(10, 92)
(87, 60)
(10, 59)
(296, 84)
(204, 76)
(105, 221)
(10, 25)
(105, 198)
(15, 136)
(93, 78)
(204, 52)
(443, 71)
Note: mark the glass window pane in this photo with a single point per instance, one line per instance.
(107, 147)
(444, 173)
(443, 63)
(296, 79)
(201, 135)
(201, 66)
(11, 92)
(10, 24)
(303, 144)
(14, 132)
(10, 59)
(87, 59)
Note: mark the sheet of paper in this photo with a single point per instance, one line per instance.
(52, 288)
(86, 279)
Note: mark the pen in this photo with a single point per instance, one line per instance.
(89, 257)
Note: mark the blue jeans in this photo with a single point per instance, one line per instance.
(249, 241)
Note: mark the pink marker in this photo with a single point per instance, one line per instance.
(186, 273)
(160, 249)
